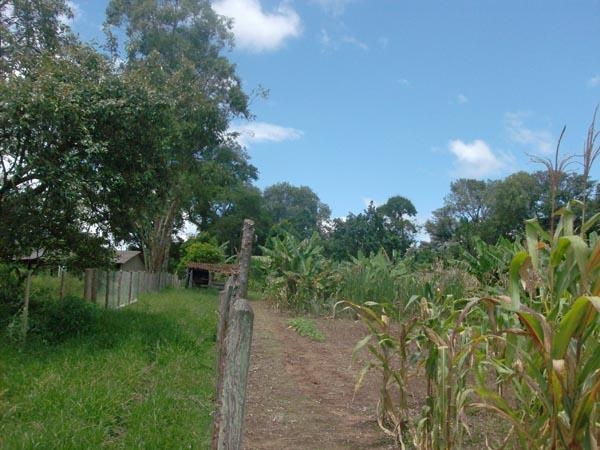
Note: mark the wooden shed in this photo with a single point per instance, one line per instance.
(203, 274)
(130, 261)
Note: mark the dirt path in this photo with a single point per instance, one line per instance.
(301, 393)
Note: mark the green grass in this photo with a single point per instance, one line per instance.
(143, 378)
(307, 328)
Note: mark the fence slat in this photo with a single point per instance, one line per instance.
(123, 288)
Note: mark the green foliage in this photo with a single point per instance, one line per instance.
(200, 252)
(489, 263)
(307, 328)
(551, 365)
(57, 320)
(388, 227)
(295, 210)
(296, 273)
(11, 292)
(175, 49)
(375, 278)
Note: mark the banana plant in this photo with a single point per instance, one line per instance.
(296, 271)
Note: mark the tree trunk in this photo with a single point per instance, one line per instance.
(156, 242)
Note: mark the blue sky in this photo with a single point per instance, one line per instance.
(374, 98)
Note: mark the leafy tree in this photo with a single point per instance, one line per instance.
(66, 125)
(200, 251)
(30, 29)
(388, 227)
(174, 47)
(512, 201)
(297, 210)
(228, 210)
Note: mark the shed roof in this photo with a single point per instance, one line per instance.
(125, 255)
(227, 269)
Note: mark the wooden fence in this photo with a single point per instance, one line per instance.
(234, 338)
(115, 289)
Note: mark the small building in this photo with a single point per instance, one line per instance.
(130, 261)
(203, 274)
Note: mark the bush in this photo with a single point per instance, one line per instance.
(11, 292)
(56, 321)
(200, 252)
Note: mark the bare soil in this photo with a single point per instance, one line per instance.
(301, 393)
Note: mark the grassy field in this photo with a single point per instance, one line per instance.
(143, 378)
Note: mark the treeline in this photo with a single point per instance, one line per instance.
(128, 143)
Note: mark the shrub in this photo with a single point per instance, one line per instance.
(58, 320)
(200, 252)
(11, 292)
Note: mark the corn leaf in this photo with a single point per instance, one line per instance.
(515, 278)
(568, 326)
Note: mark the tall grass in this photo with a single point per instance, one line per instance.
(142, 377)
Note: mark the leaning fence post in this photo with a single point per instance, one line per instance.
(235, 375)
(245, 256)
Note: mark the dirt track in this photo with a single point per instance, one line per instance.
(301, 393)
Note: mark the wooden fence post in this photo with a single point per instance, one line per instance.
(245, 256)
(130, 288)
(106, 297)
(61, 294)
(88, 283)
(235, 375)
(119, 283)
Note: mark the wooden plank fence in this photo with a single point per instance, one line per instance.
(115, 289)
(234, 338)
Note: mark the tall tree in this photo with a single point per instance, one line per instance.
(30, 29)
(388, 227)
(66, 124)
(297, 210)
(174, 47)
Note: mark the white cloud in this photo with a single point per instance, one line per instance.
(325, 39)
(462, 99)
(475, 159)
(594, 81)
(256, 132)
(256, 30)
(383, 42)
(404, 82)
(542, 141)
(351, 40)
(333, 7)
(335, 42)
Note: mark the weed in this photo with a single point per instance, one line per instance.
(307, 328)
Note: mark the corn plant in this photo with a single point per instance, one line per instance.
(451, 347)
(552, 363)
(369, 278)
(390, 327)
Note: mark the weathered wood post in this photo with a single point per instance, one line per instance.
(129, 295)
(106, 297)
(235, 375)
(234, 338)
(63, 272)
(88, 282)
(245, 257)
(119, 285)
